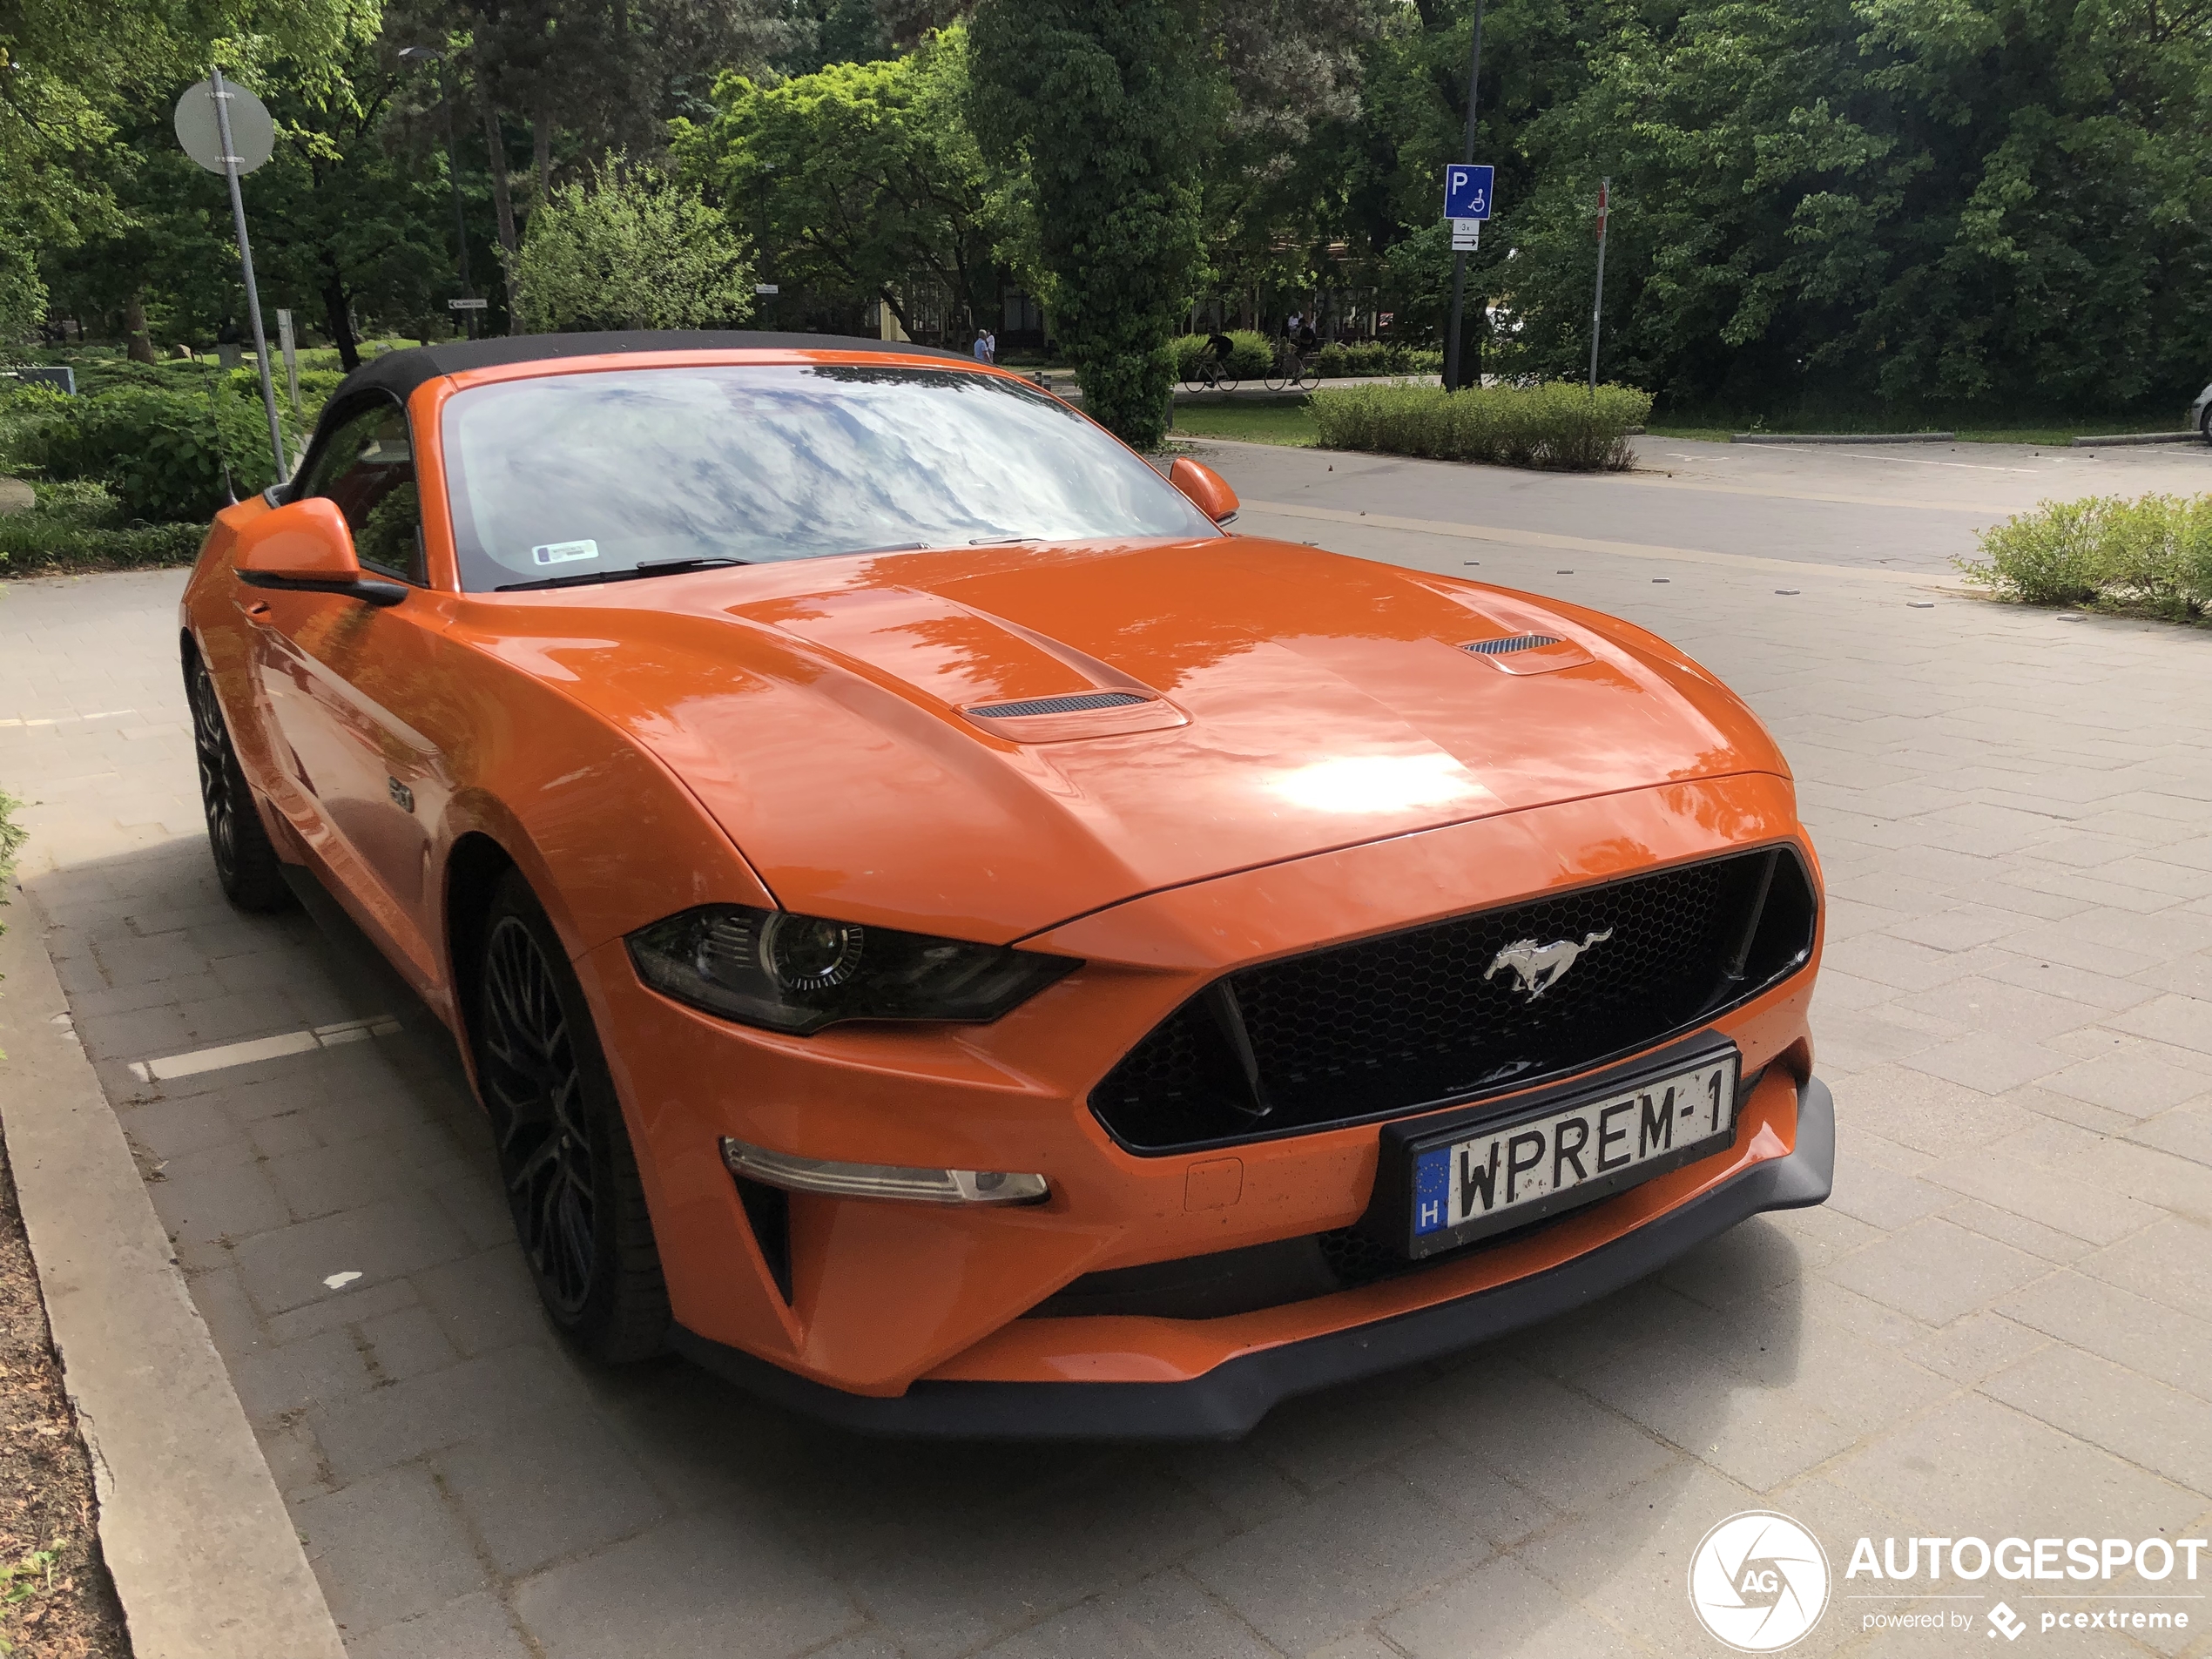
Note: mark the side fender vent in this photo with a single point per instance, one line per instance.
(1511, 643)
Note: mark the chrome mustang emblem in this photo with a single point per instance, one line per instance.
(1537, 967)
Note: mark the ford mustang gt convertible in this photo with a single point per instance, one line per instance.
(948, 935)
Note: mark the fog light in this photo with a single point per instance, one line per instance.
(796, 1174)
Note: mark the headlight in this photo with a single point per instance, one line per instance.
(799, 974)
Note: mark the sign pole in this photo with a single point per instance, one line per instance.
(1452, 377)
(1597, 303)
(246, 264)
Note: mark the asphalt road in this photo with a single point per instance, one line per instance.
(1903, 507)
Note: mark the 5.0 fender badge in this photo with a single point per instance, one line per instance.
(1537, 967)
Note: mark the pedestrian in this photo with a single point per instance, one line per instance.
(987, 347)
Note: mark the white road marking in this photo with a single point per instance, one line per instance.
(1902, 461)
(258, 1049)
(1586, 544)
(71, 719)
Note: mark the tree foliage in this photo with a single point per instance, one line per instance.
(864, 178)
(1856, 203)
(1107, 108)
(629, 249)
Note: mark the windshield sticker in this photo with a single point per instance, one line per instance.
(564, 552)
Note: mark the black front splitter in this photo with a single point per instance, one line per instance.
(1227, 1401)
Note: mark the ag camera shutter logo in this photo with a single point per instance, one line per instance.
(1758, 1581)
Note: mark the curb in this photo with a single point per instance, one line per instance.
(1841, 437)
(2137, 437)
(205, 1559)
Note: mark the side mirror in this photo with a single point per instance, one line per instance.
(306, 546)
(1208, 490)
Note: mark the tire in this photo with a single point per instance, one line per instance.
(565, 1158)
(1194, 382)
(1225, 383)
(2204, 424)
(1276, 379)
(245, 862)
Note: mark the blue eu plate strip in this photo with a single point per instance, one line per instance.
(1432, 1190)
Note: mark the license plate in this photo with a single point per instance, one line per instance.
(1472, 1181)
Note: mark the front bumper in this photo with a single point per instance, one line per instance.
(1226, 1402)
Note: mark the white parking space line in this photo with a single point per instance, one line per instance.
(259, 1049)
(1827, 454)
(73, 719)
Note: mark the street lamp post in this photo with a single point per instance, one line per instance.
(425, 54)
(1453, 378)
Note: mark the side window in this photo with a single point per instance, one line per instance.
(369, 469)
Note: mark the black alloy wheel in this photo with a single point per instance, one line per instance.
(245, 862)
(564, 1155)
(537, 1110)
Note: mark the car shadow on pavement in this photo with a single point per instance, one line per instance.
(453, 1464)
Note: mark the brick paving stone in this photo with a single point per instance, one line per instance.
(1935, 1271)
(1357, 1550)
(2155, 1427)
(1165, 1613)
(468, 1626)
(387, 1549)
(715, 1589)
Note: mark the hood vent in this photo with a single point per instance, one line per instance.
(1075, 703)
(1511, 643)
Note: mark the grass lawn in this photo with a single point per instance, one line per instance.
(1254, 422)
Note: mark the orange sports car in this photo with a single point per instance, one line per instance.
(951, 937)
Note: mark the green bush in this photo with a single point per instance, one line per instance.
(1364, 357)
(1557, 424)
(168, 455)
(1251, 354)
(2154, 553)
(78, 525)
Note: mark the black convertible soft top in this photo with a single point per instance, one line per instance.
(401, 372)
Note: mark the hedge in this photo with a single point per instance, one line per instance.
(1254, 356)
(80, 526)
(1554, 425)
(2153, 554)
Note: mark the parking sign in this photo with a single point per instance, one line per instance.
(1467, 192)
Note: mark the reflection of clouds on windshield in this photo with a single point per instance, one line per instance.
(778, 462)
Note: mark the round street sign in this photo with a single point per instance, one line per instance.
(252, 130)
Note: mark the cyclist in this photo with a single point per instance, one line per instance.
(1215, 363)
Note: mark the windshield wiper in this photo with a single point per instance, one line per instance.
(585, 578)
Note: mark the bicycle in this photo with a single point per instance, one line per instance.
(1209, 374)
(1290, 372)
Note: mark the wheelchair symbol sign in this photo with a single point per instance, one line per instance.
(1467, 192)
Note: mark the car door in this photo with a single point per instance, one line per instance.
(341, 679)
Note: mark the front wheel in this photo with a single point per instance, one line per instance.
(2204, 424)
(246, 861)
(564, 1153)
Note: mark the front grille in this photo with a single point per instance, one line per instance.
(1074, 703)
(1441, 1015)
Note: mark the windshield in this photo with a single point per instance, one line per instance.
(605, 474)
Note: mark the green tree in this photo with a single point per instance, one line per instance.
(23, 295)
(864, 178)
(1108, 105)
(1848, 206)
(629, 249)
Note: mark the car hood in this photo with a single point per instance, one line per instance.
(1235, 703)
